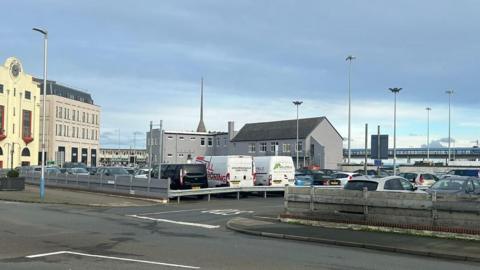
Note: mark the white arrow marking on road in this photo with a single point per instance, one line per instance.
(111, 258)
(206, 226)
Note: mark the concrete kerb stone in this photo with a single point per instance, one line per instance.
(231, 225)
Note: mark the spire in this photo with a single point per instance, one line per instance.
(201, 125)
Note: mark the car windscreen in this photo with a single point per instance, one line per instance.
(359, 185)
(449, 184)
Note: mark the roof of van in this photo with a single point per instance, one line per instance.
(279, 130)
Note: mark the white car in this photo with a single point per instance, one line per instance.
(344, 177)
(424, 180)
(389, 183)
(142, 173)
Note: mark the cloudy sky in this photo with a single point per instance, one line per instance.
(143, 60)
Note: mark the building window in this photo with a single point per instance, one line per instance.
(1, 88)
(192, 138)
(180, 155)
(182, 138)
(287, 148)
(218, 141)
(300, 146)
(27, 124)
(210, 142)
(169, 155)
(170, 137)
(263, 147)
(28, 95)
(25, 152)
(59, 112)
(251, 148)
(83, 117)
(273, 146)
(2, 120)
(83, 133)
(202, 141)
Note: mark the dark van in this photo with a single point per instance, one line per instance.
(185, 176)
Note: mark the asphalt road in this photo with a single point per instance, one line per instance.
(191, 235)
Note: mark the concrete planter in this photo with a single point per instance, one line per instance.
(17, 183)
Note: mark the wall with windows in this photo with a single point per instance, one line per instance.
(73, 131)
(19, 116)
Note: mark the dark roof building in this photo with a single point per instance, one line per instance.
(319, 141)
(53, 88)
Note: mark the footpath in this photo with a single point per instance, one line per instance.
(31, 194)
(450, 249)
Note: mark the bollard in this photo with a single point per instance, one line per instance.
(238, 195)
(312, 195)
(365, 206)
(208, 196)
(265, 194)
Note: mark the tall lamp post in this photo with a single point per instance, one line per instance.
(395, 91)
(45, 41)
(428, 133)
(449, 93)
(349, 58)
(297, 103)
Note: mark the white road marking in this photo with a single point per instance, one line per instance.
(176, 211)
(206, 226)
(227, 212)
(111, 258)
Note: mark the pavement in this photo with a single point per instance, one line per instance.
(453, 249)
(31, 194)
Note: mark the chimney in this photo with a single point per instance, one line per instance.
(231, 130)
(201, 125)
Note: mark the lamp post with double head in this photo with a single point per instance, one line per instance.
(297, 103)
(395, 91)
(428, 133)
(349, 58)
(45, 42)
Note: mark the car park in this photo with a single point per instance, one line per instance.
(389, 184)
(112, 171)
(456, 185)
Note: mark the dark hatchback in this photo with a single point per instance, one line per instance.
(185, 176)
(456, 185)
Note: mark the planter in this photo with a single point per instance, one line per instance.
(17, 183)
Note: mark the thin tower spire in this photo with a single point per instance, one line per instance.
(201, 125)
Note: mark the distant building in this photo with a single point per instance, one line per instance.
(115, 156)
(72, 125)
(19, 116)
(319, 142)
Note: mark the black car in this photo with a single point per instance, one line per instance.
(456, 185)
(465, 172)
(185, 176)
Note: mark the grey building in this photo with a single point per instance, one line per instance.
(319, 142)
(182, 147)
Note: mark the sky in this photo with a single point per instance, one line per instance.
(143, 61)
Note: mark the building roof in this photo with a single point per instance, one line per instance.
(278, 130)
(53, 88)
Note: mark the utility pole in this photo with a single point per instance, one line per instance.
(428, 133)
(449, 93)
(366, 148)
(297, 103)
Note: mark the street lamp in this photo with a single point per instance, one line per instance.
(45, 41)
(349, 58)
(449, 93)
(297, 103)
(428, 132)
(395, 91)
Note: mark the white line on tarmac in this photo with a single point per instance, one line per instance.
(206, 226)
(176, 211)
(111, 258)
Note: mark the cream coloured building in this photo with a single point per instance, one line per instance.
(19, 116)
(72, 125)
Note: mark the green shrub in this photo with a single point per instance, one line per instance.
(12, 174)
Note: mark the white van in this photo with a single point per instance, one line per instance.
(228, 171)
(274, 171)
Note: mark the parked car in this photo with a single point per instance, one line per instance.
(389, 183)
(142, 173)
(92, 170)
(344, 177)
(456, 185)
(112, 171)
(420, 179)
(373, 173)
(315, 179)
(185, 176)
(52, 170)
(78, 171)
(274, 171)
(463, 172)
(131, 171)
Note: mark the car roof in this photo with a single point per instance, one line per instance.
(377, 180)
